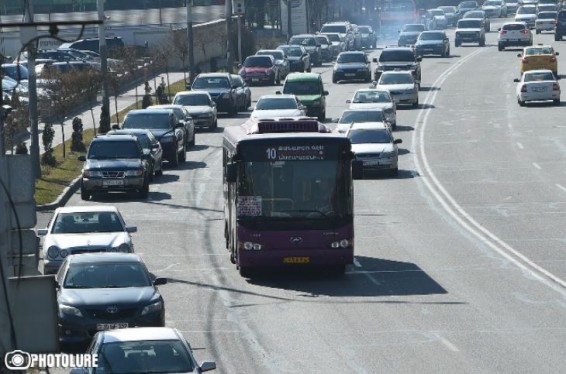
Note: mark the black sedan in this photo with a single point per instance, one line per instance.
(351, 66)
(432, 43)
(103, 291)
(150, 146)
(221, 88)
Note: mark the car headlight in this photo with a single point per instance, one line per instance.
(91, 173)
(69, 311)
(152, 308)
(53, 251)
(387, 154)
(207, 115)
(134, 173)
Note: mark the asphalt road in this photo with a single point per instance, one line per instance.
(459, 260)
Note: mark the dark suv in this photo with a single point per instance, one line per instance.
(398, 58)
(163, 124)
(115, 163)
(221, 88)
(560, 29)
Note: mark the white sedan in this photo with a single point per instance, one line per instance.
(279, 105)
(537, 85)
(80, 229)
(402, 87)
(367, 98)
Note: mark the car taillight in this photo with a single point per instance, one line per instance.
(501, 32)
(524, 88)
(555, 86)
(524, 31)
(553, 59)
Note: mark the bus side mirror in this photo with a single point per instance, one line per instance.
(231, 172)
(357, 169)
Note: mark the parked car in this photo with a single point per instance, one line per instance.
(183, 116)
(281, 105)
(163, 350)
(244, 93)
(299, 58)
(260, 69)
(165, 126)
(221, 89)
(351, 65)
(150, 146)
(311, 45)
(115, 163)
(281, 60)
(84, 229)
(537, 85)
(201, 107)
(104, 291)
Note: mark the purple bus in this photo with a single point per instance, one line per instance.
(288, 195)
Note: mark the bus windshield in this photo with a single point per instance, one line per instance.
(290, 190)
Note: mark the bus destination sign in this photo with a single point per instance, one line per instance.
(311, 152)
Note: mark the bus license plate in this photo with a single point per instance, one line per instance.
(113, 182)
(111, 326)
(296, 260)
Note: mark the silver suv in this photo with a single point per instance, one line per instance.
(345, 30)
(514, 34)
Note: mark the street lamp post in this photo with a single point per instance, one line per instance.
(190, 40)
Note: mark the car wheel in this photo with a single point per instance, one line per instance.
(322, 116)
(144, 192)
(84, 194)
(160, 171)
(248, 102)
(521, 103)
(556, 101)
(482, 43)
(394, 125)
(416, 104)
(278, 80)
(500, 47)
(175, 160)
(394, 172)
(334, 80)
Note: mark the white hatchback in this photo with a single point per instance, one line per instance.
(514, 34)
(538, 85)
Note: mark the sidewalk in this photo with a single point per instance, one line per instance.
(124, 100)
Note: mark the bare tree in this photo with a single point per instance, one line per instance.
(179, 44)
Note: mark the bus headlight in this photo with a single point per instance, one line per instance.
(249, 246)
(53, 252)
(344, 243)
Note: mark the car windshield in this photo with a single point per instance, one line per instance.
(276, 103)
(539, 76)
(417, 28)
(492, 3)
(373, 96)
(147, 356)
(258, 61)
(211, 83)
(406, 55)
(302, 88)
(514, 27)
(362, 136)
(431, 36)
(86, 222)
(333, 37)
(322, 40)
(437, 12)
(396, 79)
(113, 149)
(334, 28)
(469, 24)
(351, 57)
(474, 15)
(106, 275)
(350, 116)
(278, 55)
(547, 15)
(527, 10)
(148, 120)
(308, 41)
(192, 100)
(468, 4)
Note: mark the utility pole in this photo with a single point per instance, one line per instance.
(32, 88)
(229, 56)
(105, 110)
(190, 40)
(289, 23)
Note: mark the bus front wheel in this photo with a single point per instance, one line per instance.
(245, 272)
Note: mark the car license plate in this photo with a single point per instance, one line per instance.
(296, 260)
(111, 326)
(349, 74)
(539, 89)
(113, 182)
(371, 163)
(255, 79)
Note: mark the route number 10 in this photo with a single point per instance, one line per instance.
(271, 153)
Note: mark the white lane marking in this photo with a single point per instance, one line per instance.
(446, 342)
(536, 165)
(561, 187)
(455, 210)
(520, 145)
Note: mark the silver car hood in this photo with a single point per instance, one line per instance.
(106, 239)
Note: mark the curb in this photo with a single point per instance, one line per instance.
(63, 197)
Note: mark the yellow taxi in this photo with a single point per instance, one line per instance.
(539, 57)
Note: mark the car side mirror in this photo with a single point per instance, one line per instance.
(374, 59)
(81, 158)
(516, 80)
(325, 93)
(115, 126)
(231, 172)
(557, 53)
(159, 281)
(519, 55)
(131, 229)
(207, 366)
(42, 232)
(397, 141)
